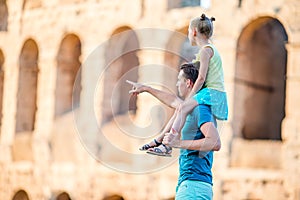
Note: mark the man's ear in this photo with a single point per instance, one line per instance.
(189, 83)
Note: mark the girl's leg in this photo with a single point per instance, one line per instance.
(180, 115)
(156, 142)
(184, 109)
(168, 127)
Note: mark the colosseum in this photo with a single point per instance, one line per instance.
(70, 130)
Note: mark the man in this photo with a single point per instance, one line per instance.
(197, 141)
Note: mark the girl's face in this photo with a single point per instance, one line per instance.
(191, 36)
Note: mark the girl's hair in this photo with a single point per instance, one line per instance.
(204, 25)
(190, 70)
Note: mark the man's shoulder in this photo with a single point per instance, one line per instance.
(195, 111)
(201, 114)
(200, 108)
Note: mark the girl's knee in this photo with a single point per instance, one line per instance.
(187, 107)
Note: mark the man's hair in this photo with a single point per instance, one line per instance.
(190, 70)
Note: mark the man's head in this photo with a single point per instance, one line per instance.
(187, 76)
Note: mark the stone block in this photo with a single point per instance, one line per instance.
(292, 97)
(249, 184)
(290, 131)
(22, 147)
(291, 163)
(256, 154)
(6, 154)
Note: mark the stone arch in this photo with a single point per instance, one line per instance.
(260, 80)
(68, 70)
(178, 43)
(20, 195)
(178, 51)
(3, 15)
(2, 59)
(121, 64)
(113, 197)
(27, 88)
(63, 196)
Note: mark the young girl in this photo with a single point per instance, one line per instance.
(208, 89)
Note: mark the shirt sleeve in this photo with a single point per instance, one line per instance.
(205, 115)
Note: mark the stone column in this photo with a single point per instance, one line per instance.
(8, 121)
(291, 123)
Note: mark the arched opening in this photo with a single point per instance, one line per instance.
(27, 88)
(259, 100)
(63, 196)
(113, 197)
(68, 65)
(3, 15)
(178, 51)
(122, 64)
(1, 83)
(20, 195)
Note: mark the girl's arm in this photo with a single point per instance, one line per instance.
(205, 56)
(189, 104)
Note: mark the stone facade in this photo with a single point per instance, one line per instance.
(50, 131)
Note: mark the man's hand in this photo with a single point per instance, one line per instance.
(172, 139)
(136, 88)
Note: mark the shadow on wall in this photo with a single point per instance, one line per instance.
(63, 196)
(21, 195)
(113, 197)
(260, 80)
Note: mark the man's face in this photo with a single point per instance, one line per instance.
(182, 85)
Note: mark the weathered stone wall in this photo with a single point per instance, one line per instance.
(51, 158)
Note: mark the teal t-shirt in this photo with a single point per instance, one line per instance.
(193, 164)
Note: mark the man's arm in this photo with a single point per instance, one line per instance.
(211, 142)
(167, 98)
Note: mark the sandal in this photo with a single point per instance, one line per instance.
(148, 146)
(160, 152)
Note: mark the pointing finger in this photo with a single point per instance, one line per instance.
(132, 92)
(130, 82)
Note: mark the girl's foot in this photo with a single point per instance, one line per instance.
(152, 144)
(161, 150)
